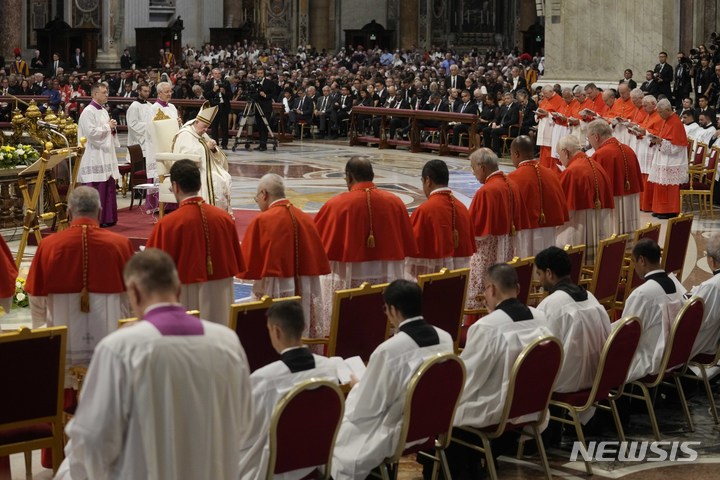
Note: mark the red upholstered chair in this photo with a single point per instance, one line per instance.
(137, 172)
(677, 354)
(676, 243)
(615, 360)
(433, 394)
(443, 300)
(531, 381)
(703, 362)
(701, 184)
(249, 321)
(319, 401)
(603, 278)
(629, 277)
(577, 257)
(31, 411)
(358, 322)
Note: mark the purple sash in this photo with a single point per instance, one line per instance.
(172, 320)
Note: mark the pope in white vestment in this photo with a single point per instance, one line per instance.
(374, 408)
(214, 175)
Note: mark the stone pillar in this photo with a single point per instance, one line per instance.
(408, 24)
(232, 13)
(320, 24)
(10, 28)
(597, 44)
(113, 19)
(303, 34)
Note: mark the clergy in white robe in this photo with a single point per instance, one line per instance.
(374, 408)
(216, 180)
(708, 337)
(99, 166)
(692, 129)
(166, 398)
(575, 317)
(656, 303)
(270, 383)
(160, 109)
(707, 132)
(137, 116)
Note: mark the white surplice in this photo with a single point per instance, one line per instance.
(583, 328)
(99, 162)
(626, 216)
(586, 227)
(493, 344)
(374, 408)
(85, 329)
(212, 298)
(656, 310)
(531, 241)
(150, 147)
(316, 325)
(137, 116)
(150, 409)
(709, 335)
(704, 135)
(269, 384)
(489, 250)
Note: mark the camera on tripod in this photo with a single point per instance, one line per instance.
(250, 92)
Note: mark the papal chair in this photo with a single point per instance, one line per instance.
(677, 238)
(443, 300)
(531, 381)
(432, 397)
(313, 408)
(249, 321)
(31, 410)
(615, 360)
(358, 323)
(681, 339)
(603, 278)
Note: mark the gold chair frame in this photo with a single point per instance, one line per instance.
(445, 274)
(703, 377)
(699, 172)
(310, 384)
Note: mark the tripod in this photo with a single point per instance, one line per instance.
(251, 108)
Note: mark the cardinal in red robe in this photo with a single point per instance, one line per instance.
(8, 276)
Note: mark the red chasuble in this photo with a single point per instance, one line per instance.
(622, 108)
(495, 208)
(58, 263)
(639, 116)
(8, 271)
(586, 185)
(543, 210)
(652, 123)
(204, 244)
(365, 224)
(621, 165)
(442, 227)
(599, 105)
(673, 130)
(281, 241)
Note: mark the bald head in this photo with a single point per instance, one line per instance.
(624, 91)
(274, 185)
(522, 148)
(359, 169)
(608, 97)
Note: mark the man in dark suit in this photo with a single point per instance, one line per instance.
(517, 82)
(682, 85)
(434, 104)
(341, 110)
(126, 60)
(508, 116)
(323, 111)
(398, 123)
(265, 88)
(301, 110)
(704, 107)
(528, 107)
(663, 74)
(466, 105)
(453, 80)
(77, 61)
(37, 63)
(217, 92)
(650, 86)
(54, 65)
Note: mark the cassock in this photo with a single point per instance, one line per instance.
(165, 398)
(578, 320)
(656, 303)
(599, 105)
(645, 153)
(269, 385)
(443, 233)
(99, 167)
(669, 169)
(137, 116)
(590, 204)
(203, 242)
(496, 216)
(542, 198)
(8, 276)
(545, 128)
(581, 132)
(493, 344)
(367, 235)
(374, 407)
(168, 110)
(283, 253)
(625, 110)
(78, 282)
(709, 335)
(216, 180)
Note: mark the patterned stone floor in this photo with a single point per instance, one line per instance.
(314, 172)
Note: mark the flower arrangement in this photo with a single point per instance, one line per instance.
(20, 299)
(19, 155)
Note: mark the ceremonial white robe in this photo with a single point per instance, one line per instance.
(374, 408)
(558, 132)
(709, 335)
(669, 165)
(99, 162)
(645, 153)
(213, 298)
(269, 384)
(587, 227)
(626, 215)
(705, 135)
(85, 329)
(150, 147)
(545, 131)
(489, 250)
(137, 116)
(531, 241)
(493, 344)
(622, 134)
(216, 180)
(657, 312)
(692, 130)
(583, 328)
(316, 326)
(126, 427)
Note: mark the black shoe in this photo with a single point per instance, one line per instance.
(666, 216)
(655, 214)
(261, 148)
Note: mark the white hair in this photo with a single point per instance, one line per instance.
(569, 143)
(664, 104)
(273, 184)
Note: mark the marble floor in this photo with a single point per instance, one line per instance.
(314, 172)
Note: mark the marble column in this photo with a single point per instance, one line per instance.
(232, 13)
(320, 24)
(303, 35)
(112, 15)
(408, 24)
(10, 28)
